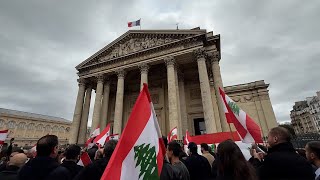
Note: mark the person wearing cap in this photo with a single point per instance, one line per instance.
(197, 165)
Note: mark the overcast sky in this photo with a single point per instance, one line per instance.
(42, 41)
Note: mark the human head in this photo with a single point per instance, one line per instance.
(204, 147)
(231, 159)
(278, 135)
(18, 160)
(193, 148)
(48, 146)
(165, 141)
(92, 152)
(109, 148)
(313, 151)
(72, 152)
(173, 149)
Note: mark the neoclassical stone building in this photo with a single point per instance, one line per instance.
(27, 128)
(182, 70)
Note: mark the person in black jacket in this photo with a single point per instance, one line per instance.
(282, 161)
(15, 163)
(41, 167)
(197, 165)
(95, 170)
(72, 156)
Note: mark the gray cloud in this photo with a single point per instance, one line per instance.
(42, 41)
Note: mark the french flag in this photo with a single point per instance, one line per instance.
(134, 23)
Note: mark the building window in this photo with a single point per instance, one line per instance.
(31, 126)
(1, 123)
(67, 129)
(22, 125)
(55, 128)
(40, 127)
(61, 129)
(48, 128)
(11, 125)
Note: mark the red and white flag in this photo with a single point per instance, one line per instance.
(95, 133)
(84, 159)
(187, 138)
(103, 136)
(173, 134)
(3, 136)
(134, 23)
(139, 153)
(246, 127)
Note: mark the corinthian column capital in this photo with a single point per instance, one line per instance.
(100, 78)
(214, 56)
(121, 73)
(81, 82)
(170, 61)
(200, 54)
(144, 68)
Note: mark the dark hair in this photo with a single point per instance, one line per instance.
(175, 147)
(205, 146)
(16, 149)
(314, 146)
(282, 133)
(46, 144)
(92, 152)
(165, 141)
(193, 147)
(109, 148)
(231, 162)
(72, 152)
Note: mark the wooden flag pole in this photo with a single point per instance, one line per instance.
(231, 132)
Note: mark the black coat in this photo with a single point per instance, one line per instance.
(198, 167)
(72, 167)
(42, 168)
(94, 170)
(282, 162)
(10, 173)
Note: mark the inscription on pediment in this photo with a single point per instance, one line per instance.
(134, 45)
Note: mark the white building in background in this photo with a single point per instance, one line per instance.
(305, 116)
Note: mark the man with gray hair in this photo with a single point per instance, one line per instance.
(15, 163)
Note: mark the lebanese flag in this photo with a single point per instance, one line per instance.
(249, 131)
(102, 137)
(187, 138)
(134, 23)
(95, 133)
(84, 159)
(173, 134)
(139, 153)
(3, 136)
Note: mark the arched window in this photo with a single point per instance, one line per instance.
(22, 125)
(55, 128)
(48, 128)
(39, 127)
(67, 129)
(11, 124)
(61, 129)
(31, 126)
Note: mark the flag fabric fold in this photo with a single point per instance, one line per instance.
(212, 138)
(84, 159)
(249, 131)
(134, 23)
(187, 138)
(173, 134)
(3, 136)
(103, 136)
(140, 151)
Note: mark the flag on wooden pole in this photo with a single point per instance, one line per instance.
(140, 151)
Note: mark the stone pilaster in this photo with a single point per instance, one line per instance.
(217, 81)
(205, 91)
(178, 100)
(77, 113)
(183, 106)
(172, 94)
(105, 104)
(144, 69)
(97, 104)
(117, 125)
(215, 105)
(84, 118)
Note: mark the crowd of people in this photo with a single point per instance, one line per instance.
(277, 161)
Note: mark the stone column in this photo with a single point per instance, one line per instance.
(205, 91)
(84, 118)
(97, 104)
(183, 107)
(117, 125)
(77, 113)
(215, 105)
(217, 80)
(144, 68)
(172, 94)
(105, 104)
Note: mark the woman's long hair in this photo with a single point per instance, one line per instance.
(231, 162)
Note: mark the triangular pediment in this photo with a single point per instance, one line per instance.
(135, 41)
